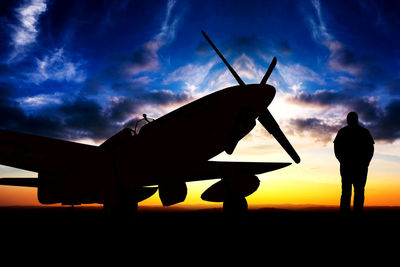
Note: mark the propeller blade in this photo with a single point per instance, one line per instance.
(269, 123)
(224, 60)
(269, 71)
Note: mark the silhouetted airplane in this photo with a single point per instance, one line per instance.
(165, 154)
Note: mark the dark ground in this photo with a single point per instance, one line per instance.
(306, 235)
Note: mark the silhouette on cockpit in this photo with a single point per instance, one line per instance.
(354, 148)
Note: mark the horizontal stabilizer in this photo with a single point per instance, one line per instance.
(37, 153)
(27, 182)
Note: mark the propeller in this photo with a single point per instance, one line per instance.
(270, 124)
(269, 71)
(224, 60)
(266, 118)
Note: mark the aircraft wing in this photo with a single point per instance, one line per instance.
(26, 182)
(220, 169)
(240, 175)
(37, 153)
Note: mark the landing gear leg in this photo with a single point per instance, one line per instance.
(235, 204)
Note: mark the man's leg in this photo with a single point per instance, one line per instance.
(345, 199)
(358, 198)
(359, 186)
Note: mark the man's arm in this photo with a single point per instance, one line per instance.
(337, 146)
(369, 153)
(337, 149)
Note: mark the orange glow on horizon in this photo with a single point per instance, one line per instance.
(275, 191)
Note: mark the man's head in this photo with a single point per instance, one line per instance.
(352, 119)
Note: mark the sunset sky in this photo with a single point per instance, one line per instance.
(83, 70)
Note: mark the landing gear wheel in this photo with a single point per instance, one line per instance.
(235, 204)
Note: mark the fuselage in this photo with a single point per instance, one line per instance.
(165, 152)
(195, 132)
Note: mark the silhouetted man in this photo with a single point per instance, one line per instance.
(354, 148)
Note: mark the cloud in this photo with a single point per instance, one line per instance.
(387, 126)
(382, 121)
(319, 30)
(244, 66)
(211, 76)
(367, 107)
(191, 74)
(283, 47)
(319, 129)
(26, 31)
(202, 47)
(199, 76)
(167, 32)
(40, 100)
(11, 112)
(80, 117)
(58, 67)
(136, 90)
(295, 75)
(319, 98)
(63, 121)
(146, 58)
(341, 58)
(247, 44)
(247, 69)
(99, 106)
(202, 78)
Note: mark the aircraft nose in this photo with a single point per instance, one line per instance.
(259, 96)
(264, 94)
(269, 93)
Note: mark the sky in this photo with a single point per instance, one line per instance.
(83, 70)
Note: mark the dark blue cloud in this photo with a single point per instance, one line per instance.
(78, 51)
(383, 121)
(318, 128)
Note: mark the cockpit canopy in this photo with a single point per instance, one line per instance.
(141, 123)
